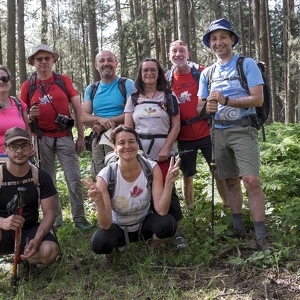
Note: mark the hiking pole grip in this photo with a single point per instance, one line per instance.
(18, 237)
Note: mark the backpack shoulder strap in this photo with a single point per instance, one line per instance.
(1, 175)
(94, 90)
(32, 86)
(210, 71)
(122, 87)
(59, 81)
(146, 167)
(112, 178)
(35, 176)
(195, 69)
(169, 75)
(241, 73)
(18, 104)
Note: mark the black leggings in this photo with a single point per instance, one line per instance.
(104, 241)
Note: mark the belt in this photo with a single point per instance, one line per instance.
(245, 121)
(191, 121)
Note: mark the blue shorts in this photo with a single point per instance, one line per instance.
(7, 243)
(189, 160)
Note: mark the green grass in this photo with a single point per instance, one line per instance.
(225, 269)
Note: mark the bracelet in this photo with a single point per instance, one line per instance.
(226, 101)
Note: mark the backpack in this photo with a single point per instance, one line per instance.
(261, 112)
(111, 160)
(170, 105)
(121, 86)
(196, 70)
(58, 80)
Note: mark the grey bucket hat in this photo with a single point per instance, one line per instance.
(42, 47)
(219, 24)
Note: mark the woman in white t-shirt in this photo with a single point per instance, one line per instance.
(127, 214)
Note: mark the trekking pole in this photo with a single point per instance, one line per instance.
(38, 133)
(18, 237)
(213, 168)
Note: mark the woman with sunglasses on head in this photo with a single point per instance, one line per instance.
(13, 112)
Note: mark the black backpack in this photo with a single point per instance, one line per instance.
(58, 80)
(111, 160)
(261, 112)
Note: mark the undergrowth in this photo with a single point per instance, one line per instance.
(194, 273)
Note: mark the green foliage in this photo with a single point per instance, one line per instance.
(199, 271)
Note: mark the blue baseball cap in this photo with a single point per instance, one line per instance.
(219, 24)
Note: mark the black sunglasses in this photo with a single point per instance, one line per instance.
(5, 79)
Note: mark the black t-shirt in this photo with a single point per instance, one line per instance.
(31, 208)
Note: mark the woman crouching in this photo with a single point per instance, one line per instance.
(127, 215)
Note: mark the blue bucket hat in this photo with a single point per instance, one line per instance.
(219, 24)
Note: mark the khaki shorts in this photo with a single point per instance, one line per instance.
(236, 151)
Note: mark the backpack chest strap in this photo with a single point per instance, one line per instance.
(151, 137)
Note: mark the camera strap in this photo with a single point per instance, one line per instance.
(44, 92)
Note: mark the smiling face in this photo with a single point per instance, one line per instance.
(5, 83)
(126, 145)
(221, 42)
(149, 73)
(106, 64)
(178, 54)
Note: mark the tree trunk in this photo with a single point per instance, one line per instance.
(94, 49)
(21, 43)
(11, 42)
(183, 21)
(44, 25)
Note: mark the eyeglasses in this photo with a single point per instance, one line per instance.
(15, 147)
(153, 71)
(5, 79)
(46, 58)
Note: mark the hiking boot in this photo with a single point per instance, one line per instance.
(82, 223)
(179, 241)
(236, 234)
(262, 245)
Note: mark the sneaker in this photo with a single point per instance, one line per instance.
(179, 241)
(82, 224)
(236, 234)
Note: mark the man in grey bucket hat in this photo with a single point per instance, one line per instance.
(49, 96)
(43, 48)
(234, 134)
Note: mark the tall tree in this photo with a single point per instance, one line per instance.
(44, 24)
(21, 43)
(94, 49)
(183, 21)
(11, 42)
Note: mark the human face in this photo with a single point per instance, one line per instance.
(221, 43)
(106, 64)
(18, 151)
(4, 86)
(43, 61)
(126, 145)
(149, 73)
(178, 55)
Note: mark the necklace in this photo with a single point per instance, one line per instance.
(146, 95)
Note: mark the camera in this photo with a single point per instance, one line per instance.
(64, 121)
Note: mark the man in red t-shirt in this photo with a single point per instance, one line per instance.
(49, 112)
(195, 132)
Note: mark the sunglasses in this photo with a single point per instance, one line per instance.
(40, 59)
(5, 79)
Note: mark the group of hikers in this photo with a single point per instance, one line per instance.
(159, 114)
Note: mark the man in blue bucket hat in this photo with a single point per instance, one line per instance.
(234, 133)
